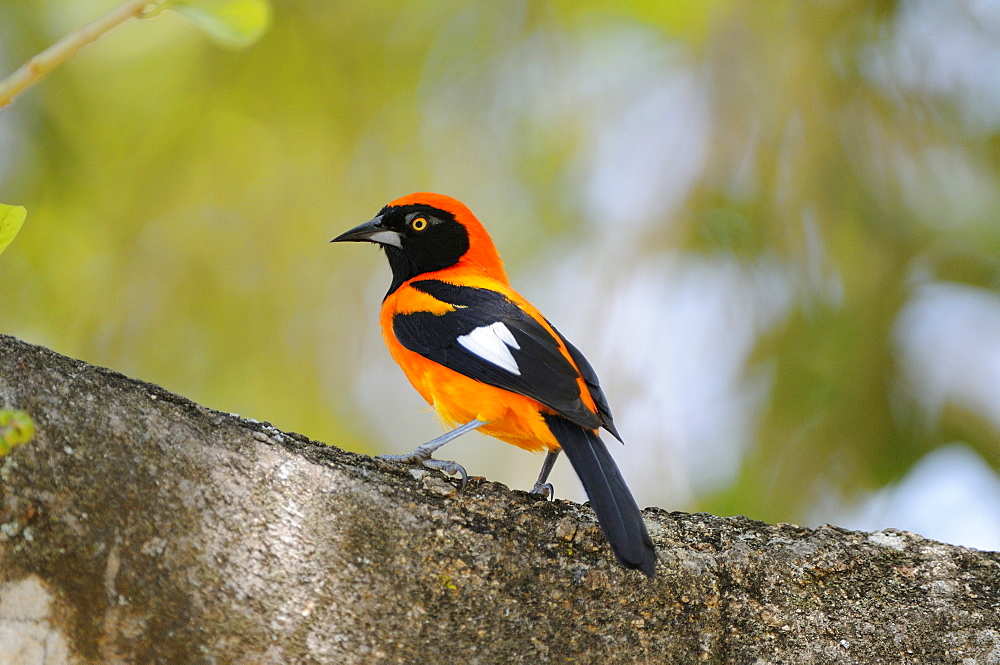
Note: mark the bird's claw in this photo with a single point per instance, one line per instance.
(546, 490)
(449, 468)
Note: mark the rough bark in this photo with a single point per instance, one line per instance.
(140, 527)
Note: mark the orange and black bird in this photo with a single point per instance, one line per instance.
(486, 359)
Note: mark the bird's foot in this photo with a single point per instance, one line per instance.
(545, 490)
(424, 458)
(422, 454)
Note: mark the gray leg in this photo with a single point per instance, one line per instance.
(422, 454)
(542, 487)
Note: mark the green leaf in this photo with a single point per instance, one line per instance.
(232, 23)
(16, 427)
(11, 218)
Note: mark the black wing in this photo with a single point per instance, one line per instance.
(540, 371)
(590, 378)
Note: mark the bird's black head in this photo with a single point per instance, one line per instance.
(417, 237)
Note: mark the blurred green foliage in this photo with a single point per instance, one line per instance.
(16, 427)
(181, 197)
(11, 219)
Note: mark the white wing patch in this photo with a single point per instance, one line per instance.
(493, 343)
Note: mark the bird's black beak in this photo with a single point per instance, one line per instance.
(371, 231)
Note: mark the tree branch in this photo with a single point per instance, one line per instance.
(40, 65)
(138, 526)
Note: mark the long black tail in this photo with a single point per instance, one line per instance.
(609, 496)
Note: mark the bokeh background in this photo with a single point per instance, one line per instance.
(773, 227)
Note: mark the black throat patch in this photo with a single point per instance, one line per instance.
(440, 244)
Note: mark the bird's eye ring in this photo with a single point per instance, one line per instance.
(418, 223)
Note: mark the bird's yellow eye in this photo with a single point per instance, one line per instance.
(418, 223)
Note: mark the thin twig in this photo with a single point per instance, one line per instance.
(37, 67)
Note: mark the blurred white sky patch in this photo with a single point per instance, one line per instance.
(951, 495)
(947, 55)
(648, 119)
(947, 338)
(950, 50)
